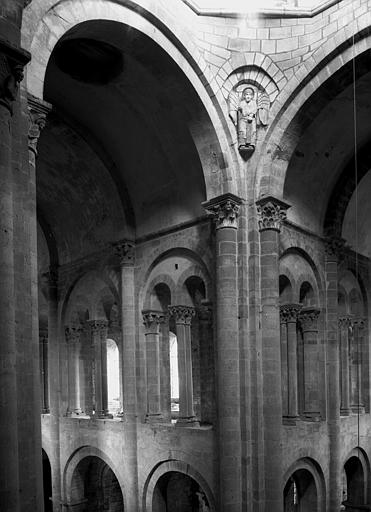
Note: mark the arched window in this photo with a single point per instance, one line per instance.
(113, 378)
(174, 376)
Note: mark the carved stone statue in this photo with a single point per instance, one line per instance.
(248, 110)
(202, 502)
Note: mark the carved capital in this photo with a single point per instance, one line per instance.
(271, 213)
(73, 333)
(224, 209)
(359, 323)
(289, 312)
(182, 314)
(125, 251)
(205, 312)
(309, 319)
(152, 320)
(12, 62)
(98, 327)
(345, 322)
(334, 248)
(37, 112)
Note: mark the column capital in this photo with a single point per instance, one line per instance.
(271, 213)
(359, 322)
(345, 321)
(289, 312)
(334, 248)
(72, 333)
(309, 318)
(12, 61)
(224, 209)
(152, 320)
(97, 326)
(125, 251)
(182, 314)
(205, 311)
(37, 112)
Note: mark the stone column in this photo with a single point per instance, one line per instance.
(225, 211)
(12, 60)
(54, 378)
(333, 250)
(183, 318)
(309, 326)
(98, 331)
(125, 251)
(44, 378)
(165, 369)
(207, 362)
(73, 342)
(284, 363)
(356, 364)
(289, 313)
(271, 213)
(152, 321)
(344, 331)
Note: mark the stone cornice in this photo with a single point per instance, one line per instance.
(289, 312)
(224, 209)
(271, 213)
(182, 314)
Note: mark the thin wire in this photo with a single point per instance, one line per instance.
(357, 330)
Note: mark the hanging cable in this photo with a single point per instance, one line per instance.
(356, 330)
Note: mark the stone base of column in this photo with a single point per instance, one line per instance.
(345, 411)
(102, 415)
(290, 420)
(358, 409)
(154, 418)
(45, 410)
(189, 421)
(68, 413)
(311, 416)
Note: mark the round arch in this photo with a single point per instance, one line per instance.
(77, 457)
(279, 144)
(359, 454)
(316, 472)
(51, 21)
(194, 271)
(177, 466)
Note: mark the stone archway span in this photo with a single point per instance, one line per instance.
(50, 20)
(177, 466)
(77, 457)
(329, 58)
(315, 470)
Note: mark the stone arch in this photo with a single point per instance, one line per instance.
(173, 466)
(252, 66)
(160, 279)
(286, 285)
(162, 254)
(69, 290)
(314, 469)
(78, 456)
(355, 461)
(314, 72)
(194, 271)
(309, 256)
(50, 22)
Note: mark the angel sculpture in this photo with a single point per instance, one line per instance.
(247, 111)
